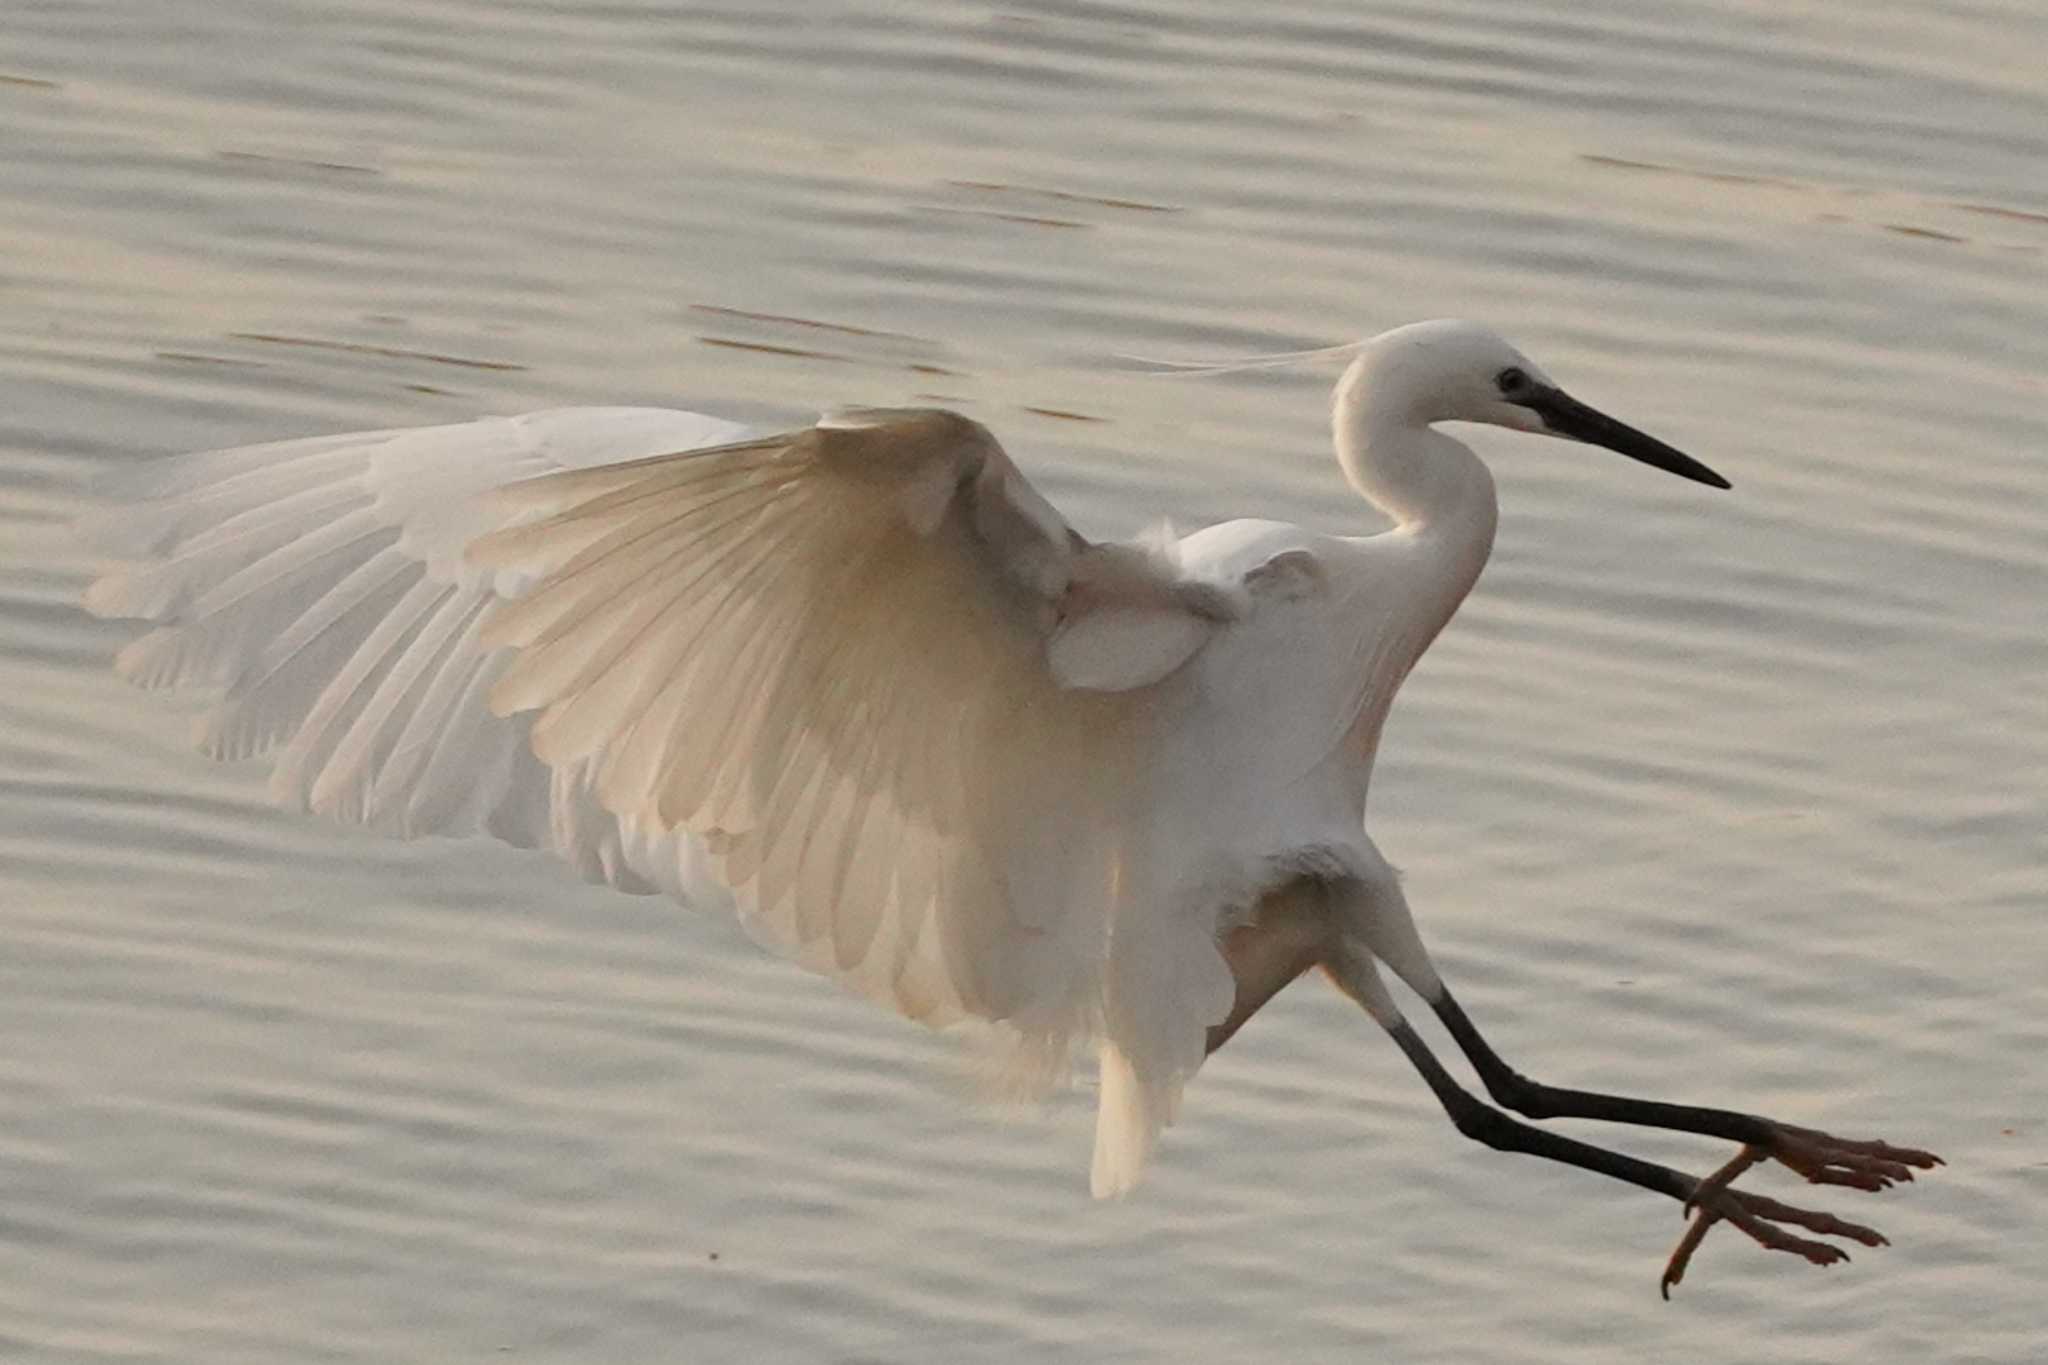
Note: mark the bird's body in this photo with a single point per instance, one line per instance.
(863, 683)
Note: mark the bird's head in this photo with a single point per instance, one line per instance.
(1450, 370)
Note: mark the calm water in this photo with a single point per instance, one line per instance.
(1733, 797)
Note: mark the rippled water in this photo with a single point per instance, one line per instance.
(1735, 797)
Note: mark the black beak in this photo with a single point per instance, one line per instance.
(1567, 416)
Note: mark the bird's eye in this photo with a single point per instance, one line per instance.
(1512, 380)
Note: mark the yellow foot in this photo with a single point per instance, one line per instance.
(1862, 1164)
(1822, 1159)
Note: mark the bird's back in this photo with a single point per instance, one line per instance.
(1333, 625)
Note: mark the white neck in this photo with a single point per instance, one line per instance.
(1431, 486)
(1396, 459)
(1440, 497)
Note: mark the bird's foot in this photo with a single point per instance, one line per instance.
(1861, 1164)
(1714, 1201)
(1822, 1159)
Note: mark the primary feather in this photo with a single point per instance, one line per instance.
(859, 680)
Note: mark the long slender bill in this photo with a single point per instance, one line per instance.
(1567, 416)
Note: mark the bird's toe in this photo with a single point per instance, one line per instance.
(1860, 1163)
(1765, 1222)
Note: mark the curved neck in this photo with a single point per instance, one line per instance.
(1401, 464)
(1431, 486)
(1441, 499)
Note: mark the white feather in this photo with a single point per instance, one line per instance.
(860, 682)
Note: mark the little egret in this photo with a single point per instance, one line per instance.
(862, 683)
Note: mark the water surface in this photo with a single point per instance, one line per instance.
(1732, 797)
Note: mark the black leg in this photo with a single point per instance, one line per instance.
(1511, 1088)
(1820, 1157)
(1483, 1123)
(1759, 1217)
(1383, 931)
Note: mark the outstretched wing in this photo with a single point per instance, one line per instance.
(863, 673)
(900, 702)
(320, 586)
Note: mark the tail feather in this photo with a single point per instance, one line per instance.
(1131, 1111)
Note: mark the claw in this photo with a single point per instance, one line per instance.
(1863, 1164)
(1823, 1160)
(1681, 1255)
(1759, 1218)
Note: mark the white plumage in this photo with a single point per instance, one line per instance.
(859, 679)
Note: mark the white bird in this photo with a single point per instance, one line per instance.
(863, 683)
